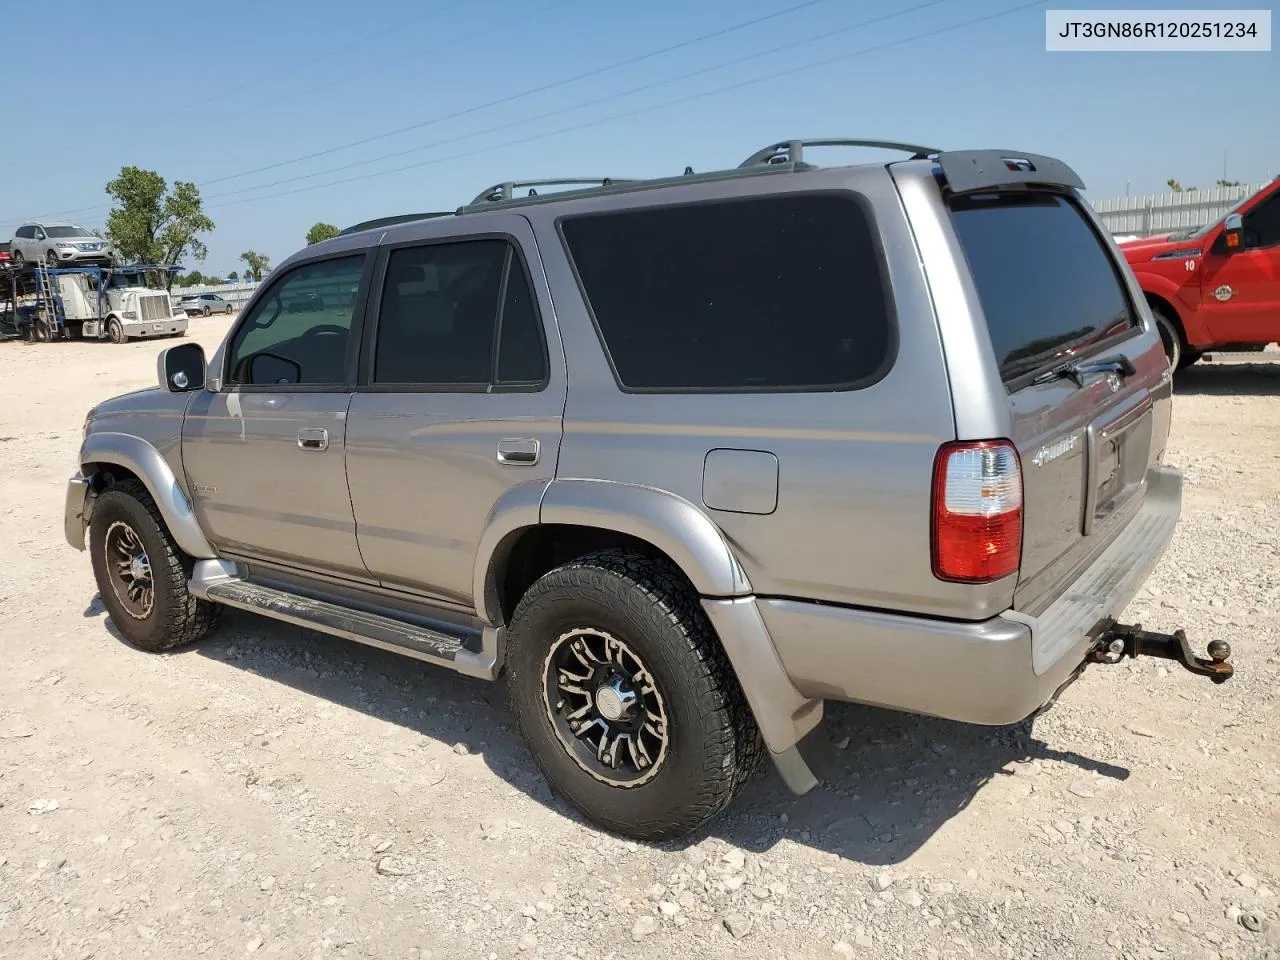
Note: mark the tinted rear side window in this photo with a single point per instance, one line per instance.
(1048, 287)
(774, 293)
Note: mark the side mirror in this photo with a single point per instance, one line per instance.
(272, 368)
(181, 369)
(1233, 233)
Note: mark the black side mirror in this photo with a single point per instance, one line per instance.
(1233, 233)
(272, 368)
(181, 368)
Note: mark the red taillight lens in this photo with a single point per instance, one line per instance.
(977, 511)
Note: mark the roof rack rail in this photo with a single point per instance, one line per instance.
(391, 221)
(792, 151)
(507, 190)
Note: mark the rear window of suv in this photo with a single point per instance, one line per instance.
(782, 293)
(1047, 285)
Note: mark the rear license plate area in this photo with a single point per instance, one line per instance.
(1119, 448)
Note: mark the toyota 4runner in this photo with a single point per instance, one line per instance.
(683, 457)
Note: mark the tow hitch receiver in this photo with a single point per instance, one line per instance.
(1121, 640)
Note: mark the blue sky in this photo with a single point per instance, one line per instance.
(211, 96)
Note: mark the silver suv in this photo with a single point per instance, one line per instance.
(684, 458)
(60, 244)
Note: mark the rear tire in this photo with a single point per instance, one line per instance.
(205, 313)
(142, 575)
(677, 736)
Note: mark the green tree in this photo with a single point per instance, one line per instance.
(257, 264)
(192, 279)
(233, 277)
(1176, 187)
(1228, 183)
(321, 231)
(153, 223)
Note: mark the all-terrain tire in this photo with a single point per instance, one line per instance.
(712, 744)
(176, 616)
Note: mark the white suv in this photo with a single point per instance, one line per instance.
(60, 244)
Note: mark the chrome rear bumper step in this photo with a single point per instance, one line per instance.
(388, 633)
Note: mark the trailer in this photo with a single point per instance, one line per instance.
(91, 302)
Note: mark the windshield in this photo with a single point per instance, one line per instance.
(1195, 233)
(61, 233)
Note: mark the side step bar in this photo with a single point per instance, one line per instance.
(212, 581)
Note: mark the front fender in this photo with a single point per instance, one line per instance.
(1159, 285)
(146, 462)
(1175, 295)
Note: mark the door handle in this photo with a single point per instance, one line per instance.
(313, 438)
(523, 452)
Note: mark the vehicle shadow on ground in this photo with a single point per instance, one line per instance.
(1231, 378)
(884, 791)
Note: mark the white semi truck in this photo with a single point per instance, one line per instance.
(108, 303)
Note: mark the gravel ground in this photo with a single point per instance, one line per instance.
(280, 793)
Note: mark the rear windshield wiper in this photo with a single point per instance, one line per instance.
(1076, 371)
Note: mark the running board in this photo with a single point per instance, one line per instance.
(212, 581)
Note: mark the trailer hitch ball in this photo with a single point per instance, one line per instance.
(1219, 651)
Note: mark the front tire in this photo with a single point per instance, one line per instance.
(115, 330)
(626, 697)
(142, 575)
(1170, 336)
(18, 259)
(51, 258)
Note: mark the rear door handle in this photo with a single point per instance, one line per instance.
(313, 438)
(522, 452)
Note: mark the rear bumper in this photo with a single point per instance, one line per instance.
(997, 671)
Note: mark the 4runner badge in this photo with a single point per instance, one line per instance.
(1052, 451)
(1224, 293)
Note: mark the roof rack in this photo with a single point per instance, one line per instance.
(507, 190)
(389, 221)
(792, 151)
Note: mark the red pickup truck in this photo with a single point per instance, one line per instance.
(1216, 286)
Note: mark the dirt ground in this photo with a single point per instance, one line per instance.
(280, 793)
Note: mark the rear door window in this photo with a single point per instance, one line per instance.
(1048, 287)
(781, 293)
(459, 314)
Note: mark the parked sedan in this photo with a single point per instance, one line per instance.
(203, 304)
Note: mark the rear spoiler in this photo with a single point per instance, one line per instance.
(969, 171)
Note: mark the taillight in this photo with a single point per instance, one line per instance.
(977, 511)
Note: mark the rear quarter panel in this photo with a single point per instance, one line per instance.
(851, 523)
